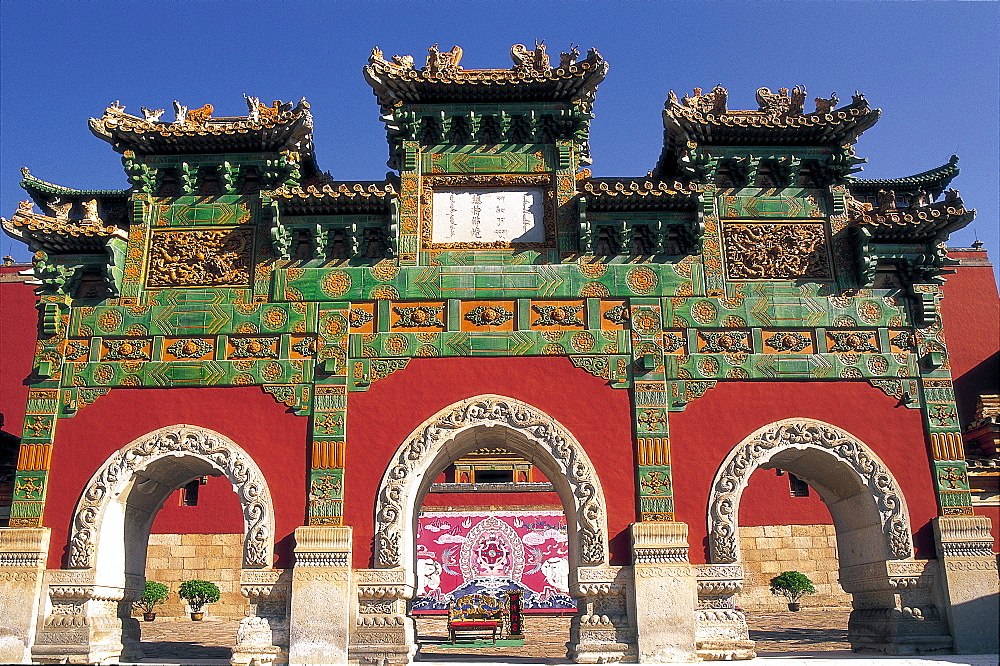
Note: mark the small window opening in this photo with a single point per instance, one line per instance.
(494, 476)
(797, 486)
(189, 491)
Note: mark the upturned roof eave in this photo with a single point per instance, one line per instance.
(936, 179)
(40, 189)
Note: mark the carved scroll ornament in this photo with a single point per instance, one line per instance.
(735, 472)
(430, 438)
(113, 477)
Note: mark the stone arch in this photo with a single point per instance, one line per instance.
(868, 508)
(489, 420)
(113, 517)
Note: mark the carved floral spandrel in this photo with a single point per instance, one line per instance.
(490, 410)
(800, 433)
(118, 470)
(200, 258)
(776, 251)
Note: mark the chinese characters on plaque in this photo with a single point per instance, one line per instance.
(488, 216)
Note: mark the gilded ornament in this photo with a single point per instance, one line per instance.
(870, 311)
(646, 322)
(274, 318)
(704, 312)
(844, 321)
(619, 314)
(789, 341)
(335, 283)
(737, 373)
(733, 303)
(426, 337)
(592, 270)
(895, 320)
(708, 366)
(418, 316)
(427, 351)
(734, 321)
(905, 340)
(132, 366)
(558, 315)
(190, 348)
(136, 330)
(641, 280)
(383, 292)
(673, 342)
(130, 380)
(491, 315)
(738, 358)
(722, 342)
(554, 349)
(207, 257)
(293, 274)
(85, 331)
(248, 348)
(850, 373)
(583, 342)
(776, 251)
(110, 320)
(384, 271)
(878, 365)
(853, 341)
(247, 328)
(684, 290)
(680, 322)
(121, 350)
(272, 371)
(243, 379)
(358, 317)
(594, 290)
(333, 325)
(293, 294)
(137, 310)
(396, 345)
(104, 374)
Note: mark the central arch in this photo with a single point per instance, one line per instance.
(494, 421)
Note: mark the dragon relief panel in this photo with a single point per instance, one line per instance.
(200, 258)
(776, 251)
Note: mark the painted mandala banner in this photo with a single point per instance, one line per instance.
(470, 552)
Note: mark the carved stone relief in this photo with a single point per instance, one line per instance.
(398, 489)
(776, 250)
(758, 448)
(200, 258)
(116, 473)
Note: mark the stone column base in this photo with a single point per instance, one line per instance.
(721, 632)
(22, 563)
(322, 600)
(382, 633)
(965, 547)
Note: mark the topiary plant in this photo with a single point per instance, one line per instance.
(792, 585)
(154, 593)
(198, 593)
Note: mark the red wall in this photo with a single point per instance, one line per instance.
(703, 434)
(381, 419)
(971, 312)
(275, 439)
(218, 511)
(18, 330)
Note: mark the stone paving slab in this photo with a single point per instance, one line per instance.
(812, 636)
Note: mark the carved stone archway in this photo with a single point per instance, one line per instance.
(384, 631)
(191, 452)
(110, 534)
(836, 463)
(895, 610)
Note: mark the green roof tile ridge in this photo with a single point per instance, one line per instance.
(32, 183)
(939, 176)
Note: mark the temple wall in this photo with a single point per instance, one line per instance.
(381, 419)
(263, 428)
(712, 425)
(174, 558)
(770, 549)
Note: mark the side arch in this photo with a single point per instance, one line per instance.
(489, 420)
(860, 491)
(113, 517)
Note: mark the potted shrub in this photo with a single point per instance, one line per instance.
(793, 586)
(154, 593)
(198, 593)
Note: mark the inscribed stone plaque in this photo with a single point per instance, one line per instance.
(488, 216)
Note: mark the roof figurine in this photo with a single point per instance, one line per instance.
(779, 119)
(281, 126)
(443, 80)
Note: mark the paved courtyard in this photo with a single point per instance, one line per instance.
(810, 630)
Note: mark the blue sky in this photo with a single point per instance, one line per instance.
(932, 67)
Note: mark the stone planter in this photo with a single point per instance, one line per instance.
(148, 617)
(197, 616)
(794, 605)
